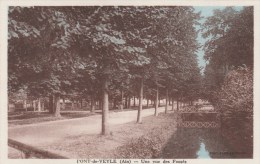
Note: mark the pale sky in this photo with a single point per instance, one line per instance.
(206, 11)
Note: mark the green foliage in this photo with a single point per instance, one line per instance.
(237, 91)
(72, 50)
(230, 45)
(228, 80)
(235, 101)
(142, 49)
(232, 28)
(34, 58)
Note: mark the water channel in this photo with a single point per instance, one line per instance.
(203, 143)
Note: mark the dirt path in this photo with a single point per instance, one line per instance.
(51, 132)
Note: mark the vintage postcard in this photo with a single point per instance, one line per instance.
(129, 82)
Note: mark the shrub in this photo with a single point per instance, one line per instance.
(237, 91)
(235, 101)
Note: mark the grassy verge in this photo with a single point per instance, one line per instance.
(38, 117)
(151, 144)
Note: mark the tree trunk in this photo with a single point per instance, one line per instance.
(25, 105)
(92, 104)
(81, 104)
(34, 105)
(39, 105)
(134, 102)
(139, 117)
(63, 105)
(122, 100)
(126, 97)
(129, 102)
(72, 105)
(156, 102)
(105, 109)
(51, 107)
(147, 103)
(167, 101)
(172, 104)
(114, 103)
(159, 100)
(43, 106)
(178, 104)
(57, 106)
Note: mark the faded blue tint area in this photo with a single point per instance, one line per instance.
(206, 11)
(203, 153)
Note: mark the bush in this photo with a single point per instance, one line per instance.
(237, 91)
(235, 101)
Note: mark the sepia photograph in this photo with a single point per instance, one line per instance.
(130, 82)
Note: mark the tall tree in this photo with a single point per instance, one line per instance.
(227, 27)
(35, 58)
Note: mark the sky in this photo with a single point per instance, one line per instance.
(206, 11)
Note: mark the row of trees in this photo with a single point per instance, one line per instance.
(103, 53)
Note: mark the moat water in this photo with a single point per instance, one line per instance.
(202, 143)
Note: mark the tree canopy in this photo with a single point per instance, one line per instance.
(100, 51)
(229, 46)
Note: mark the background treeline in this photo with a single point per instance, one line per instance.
(228, 80)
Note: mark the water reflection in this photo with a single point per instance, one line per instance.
(202, 153)
(200, 143)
